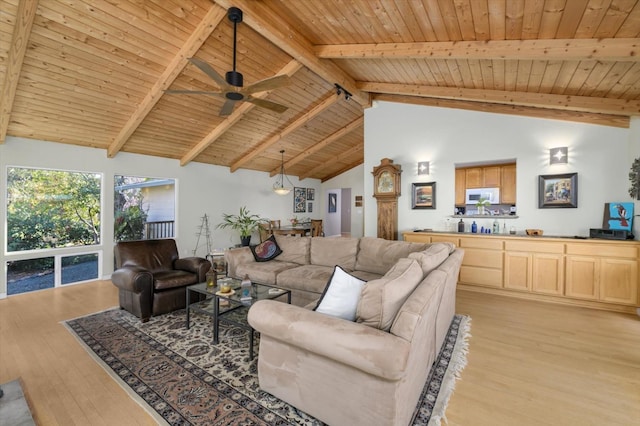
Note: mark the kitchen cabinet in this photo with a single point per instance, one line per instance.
(607, 274)
(461, 187)
(491, 177)
(474, 177)
(508, 184)
(594, 273)
(482, 261)
(535, 266)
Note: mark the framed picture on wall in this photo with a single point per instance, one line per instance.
(310, 207)
(299, 200)
(311, 194)
(558, 191)
(333, 202)
(423, 195)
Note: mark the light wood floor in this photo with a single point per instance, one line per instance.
(529, 363)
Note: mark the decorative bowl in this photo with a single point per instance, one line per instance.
(534, 231)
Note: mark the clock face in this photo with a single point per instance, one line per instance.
(385, 182)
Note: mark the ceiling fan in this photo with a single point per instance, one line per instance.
(231, 87)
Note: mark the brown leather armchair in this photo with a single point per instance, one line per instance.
(151, 277)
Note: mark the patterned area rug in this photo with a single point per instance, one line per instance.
(182, 379)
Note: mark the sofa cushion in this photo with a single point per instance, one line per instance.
(378, 255)
(294, 249)
(430, 258)
(311, 278)
(264, 272)
(341, 295)
(266, 250)
(382, 298)
(366, 276)
(334, 251)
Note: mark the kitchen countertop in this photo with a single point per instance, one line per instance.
(517, 235)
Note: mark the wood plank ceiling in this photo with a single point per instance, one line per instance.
(93, 72)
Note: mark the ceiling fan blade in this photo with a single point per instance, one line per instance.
(267, 104)
(267, 84)
(227, 108)
(194, 92)
(208, 70)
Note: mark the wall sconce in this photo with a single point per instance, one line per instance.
(423, 167)
(559, 155)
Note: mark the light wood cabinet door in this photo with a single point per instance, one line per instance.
(461, 186)
(619, 281)
(474, 177)
(508, 184)
(548, 274)
(517, 271)
(582, 277)
(491, 178)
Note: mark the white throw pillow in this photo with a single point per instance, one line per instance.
(341, 295)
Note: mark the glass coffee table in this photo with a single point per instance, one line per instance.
(231, 307)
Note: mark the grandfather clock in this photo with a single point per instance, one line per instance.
(386, 190)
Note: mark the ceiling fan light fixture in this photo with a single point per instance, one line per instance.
(278, 186)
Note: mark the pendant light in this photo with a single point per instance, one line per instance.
(278, 186)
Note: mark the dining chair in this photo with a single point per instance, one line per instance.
(265, 231)
(316, 228)
(274, 224)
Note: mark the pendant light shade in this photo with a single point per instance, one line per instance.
(279, 185)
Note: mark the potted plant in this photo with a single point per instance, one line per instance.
(244, 222)
(481, 204)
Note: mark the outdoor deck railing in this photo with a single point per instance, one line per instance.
(160, 229)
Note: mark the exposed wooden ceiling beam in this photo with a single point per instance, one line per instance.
(342, 170)
(290, 69)
(175, 67)
(346, 154)
(609, 49)
(358, 122)
(580, 117)
(22, 29)
(274, 29)
(538, 100)
(264, 145)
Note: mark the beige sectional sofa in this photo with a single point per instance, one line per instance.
(306, 263)
(363, 372)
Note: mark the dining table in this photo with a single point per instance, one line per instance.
(301, 229)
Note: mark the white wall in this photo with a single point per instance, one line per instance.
(353, 179)
(444, 137)
(200, 189)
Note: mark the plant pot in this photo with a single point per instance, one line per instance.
(245, 241)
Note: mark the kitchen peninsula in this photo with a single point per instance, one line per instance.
(594, 273)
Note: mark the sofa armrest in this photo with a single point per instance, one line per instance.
(133, 278)
(235, 257)
(359, 346)
(196, 265)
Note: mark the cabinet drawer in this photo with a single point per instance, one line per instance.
(481, 243)
(603, 250)
(480, 276)
(484, 258)
(417, 238)
(534, 246)
(443, 239)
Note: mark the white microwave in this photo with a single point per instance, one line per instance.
(476, 194)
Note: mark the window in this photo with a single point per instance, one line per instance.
(53, 226)
(144, 208)
(51, 209)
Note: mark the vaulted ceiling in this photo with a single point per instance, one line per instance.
(94, 72)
